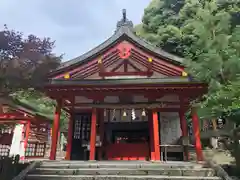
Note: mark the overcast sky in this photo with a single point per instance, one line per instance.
(76, 25)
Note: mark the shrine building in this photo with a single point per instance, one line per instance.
(126, 100)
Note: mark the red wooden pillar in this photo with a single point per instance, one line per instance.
(156, 141)
(93, 135)
(27, 131)
(55, 133)
(69, 140)
(150, 124)
(101, 132)
(184, 128)
(196, 132)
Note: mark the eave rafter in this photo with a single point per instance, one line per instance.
(97, 67)
(158, 64)
(89, 65)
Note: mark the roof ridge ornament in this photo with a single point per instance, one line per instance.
(124, 12)
(124, 21)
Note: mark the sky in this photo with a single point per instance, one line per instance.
(76, 25)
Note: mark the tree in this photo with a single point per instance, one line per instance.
(163, 19)
(207, 34)
(24, 62)
(24, 66)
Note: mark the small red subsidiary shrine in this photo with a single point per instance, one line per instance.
(126, 100)
(23, 131)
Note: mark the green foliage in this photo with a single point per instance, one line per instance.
(206, 34)
(40, 104)
(25, 62)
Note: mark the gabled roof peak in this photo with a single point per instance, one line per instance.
(124, 21)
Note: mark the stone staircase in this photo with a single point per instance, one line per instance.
(119, 170)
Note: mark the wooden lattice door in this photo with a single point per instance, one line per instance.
(81, 136)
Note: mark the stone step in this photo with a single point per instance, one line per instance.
(122, 164)
(126, 171)
(115, 177)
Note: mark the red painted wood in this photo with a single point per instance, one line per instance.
(95, 67)
(156, 139)
(94, 71)
(124, 50)
(118, 49)
(13, 116)
(55, 133)
(150, 124)
(196, 132)
(125, 67)
(93, 135)
(118, 66)
(69, 140)
(167, 103)
(89, 64)
(125, 73)
(28, 126)
(134, 67)
(160, 61)
(155, 67)
(101, 131)
(127, 151)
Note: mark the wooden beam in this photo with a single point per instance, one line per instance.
(118, 66)
(107, 74)
(156, 139)
(56, 126)
(133, 66)
(13, 116)
(155, 66)
(56, 94)
(89, 64)
(159, 61)
(93, 135)
(150, 105)
(125, 67)
(95, 67)
(196, 134)
(69, 138)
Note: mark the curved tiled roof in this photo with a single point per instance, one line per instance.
(124, 31)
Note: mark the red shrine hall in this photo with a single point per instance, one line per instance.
(23, 131)
(126, 100)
